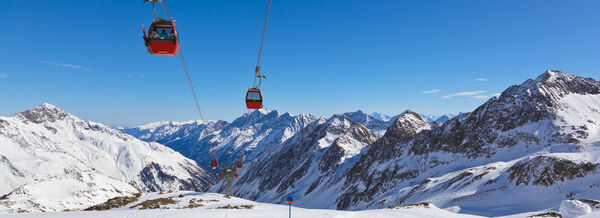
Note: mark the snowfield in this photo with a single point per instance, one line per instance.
(212, 201)
(211, 206)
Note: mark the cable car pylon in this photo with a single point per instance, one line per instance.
(227, 171)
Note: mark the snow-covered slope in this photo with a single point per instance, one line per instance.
(193, 205)
(51, 160)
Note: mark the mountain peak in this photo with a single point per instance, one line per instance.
(408, 125)
(553, 75)
(48, 106)
(42, 113)
(264, 111)
(410, 114)
(380, 116)
(553, 85)
(338, 117)
(358, 113)
(339, 121)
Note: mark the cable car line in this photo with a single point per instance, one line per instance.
(262, 40)
(189, 79)
(185, 68)
(166, 10)
(155, 14)
(168, 45)
(254, 97)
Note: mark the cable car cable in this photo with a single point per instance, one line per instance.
(184, 64)
(262, 39)
(189, 79)
(154, 10)
(166, 9)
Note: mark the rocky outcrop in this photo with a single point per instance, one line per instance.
(547, 171)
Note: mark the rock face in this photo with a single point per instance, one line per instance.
(51, 160)
(305, 162)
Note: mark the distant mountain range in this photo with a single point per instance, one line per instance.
(250, 135)
(429, 118)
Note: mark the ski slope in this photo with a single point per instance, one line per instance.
(211, 201)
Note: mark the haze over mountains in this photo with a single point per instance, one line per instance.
(532, 147)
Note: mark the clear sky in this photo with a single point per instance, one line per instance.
(320, 56)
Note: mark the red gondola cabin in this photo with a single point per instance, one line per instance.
(239, 164)
(214, 163)
(253, 98)
(162, 38)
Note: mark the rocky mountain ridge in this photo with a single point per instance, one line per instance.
(542, 136)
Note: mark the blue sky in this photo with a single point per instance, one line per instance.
(320, 56)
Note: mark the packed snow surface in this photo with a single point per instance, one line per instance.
(574, 208)
(211, 202)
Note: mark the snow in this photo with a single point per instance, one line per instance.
(327, 140)
(581, 112)
(51, 160)
(574, 208)
(595, 214)
(381, 116)
(251, 134)
(211, 201)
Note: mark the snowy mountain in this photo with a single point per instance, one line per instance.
(381, 116)
(305, 162)
(538, 138)
(51, 161)
(376, 125)
(437, 119)
(429, 118)
(169, 131)
(251, 135)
